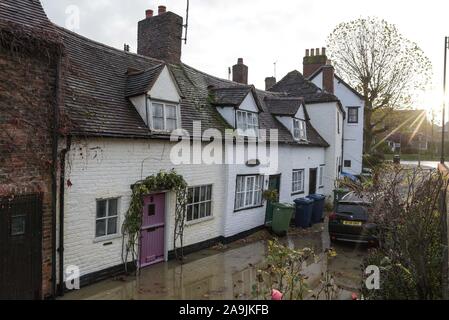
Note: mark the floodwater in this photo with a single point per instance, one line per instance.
(426, 164)
(229, 272)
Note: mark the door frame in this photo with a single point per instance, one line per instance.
(279, 178)
(167, 196)
(316, 170)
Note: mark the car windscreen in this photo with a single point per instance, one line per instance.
(353, 209)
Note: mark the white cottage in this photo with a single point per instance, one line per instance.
(123, 108)
(353, 103)
(326, 114)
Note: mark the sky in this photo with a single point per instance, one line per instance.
(261, 32)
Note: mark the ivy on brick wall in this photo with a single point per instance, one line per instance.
(163, 181)
(30, 56)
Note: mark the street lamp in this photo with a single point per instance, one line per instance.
(446, 47)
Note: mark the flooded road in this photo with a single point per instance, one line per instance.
(425, 164)
(229, 272)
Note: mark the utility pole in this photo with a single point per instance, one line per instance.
(446, 47)
(444, 195)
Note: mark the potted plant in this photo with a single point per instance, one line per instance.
(271, 196)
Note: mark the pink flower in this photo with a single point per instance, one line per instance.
(354, 296)
(276, 295)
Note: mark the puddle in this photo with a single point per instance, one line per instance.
(227, 272)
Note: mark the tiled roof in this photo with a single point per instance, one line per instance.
(97, 84)
(268, 121)
(28, 14)
(283, 106)
(231, 96)
(195, 87)
(141, 82)
(94, 85)
(339, 79)
(295, 84)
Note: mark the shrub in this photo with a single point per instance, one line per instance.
(373, 160)
(410, 254)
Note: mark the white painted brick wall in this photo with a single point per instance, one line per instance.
(353, 133)
(323, 117)
(289, 158)
(105, 168)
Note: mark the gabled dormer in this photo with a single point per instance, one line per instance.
(156, 97)
(291, 113)
(240, 107)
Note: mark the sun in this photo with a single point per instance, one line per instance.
(432, 101)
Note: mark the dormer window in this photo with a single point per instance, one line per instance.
(299, 129)
(247, 123)
(164, 116)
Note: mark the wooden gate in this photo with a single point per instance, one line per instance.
(21, 247)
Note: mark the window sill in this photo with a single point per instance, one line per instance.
(245, 136)
(249, 208)
(162, 131)
(107, 238)
(198, 221)
(298, 193)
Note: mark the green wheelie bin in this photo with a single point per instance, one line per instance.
(282, 215)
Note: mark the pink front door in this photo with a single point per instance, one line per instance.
(152, 233)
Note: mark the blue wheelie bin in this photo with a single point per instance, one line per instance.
(303, 212)
(318, 207)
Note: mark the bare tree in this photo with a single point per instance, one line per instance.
(382, 65)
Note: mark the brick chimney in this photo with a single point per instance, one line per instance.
(328, 77)
(313, 60)
(240, 72)
(269, 83)
(160, 36)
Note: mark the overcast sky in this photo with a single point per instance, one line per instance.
(260, 31)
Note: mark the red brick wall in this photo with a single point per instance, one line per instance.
(328, 78)
(160, 36)
(312, 64)
(27, 91)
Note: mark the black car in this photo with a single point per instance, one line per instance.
(350, 221)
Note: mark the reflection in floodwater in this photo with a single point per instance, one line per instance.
(227, 274)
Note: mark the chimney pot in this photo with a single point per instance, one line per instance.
(314, 61)
(161, 10)
(307, 52)
(240, 61)
(149, 13)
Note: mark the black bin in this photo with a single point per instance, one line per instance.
(303, 212)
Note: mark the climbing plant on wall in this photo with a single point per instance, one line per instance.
(163, 181)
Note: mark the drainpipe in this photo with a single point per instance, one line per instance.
(342, 140)
(61, 216)
(54, 183)
(146, 110)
